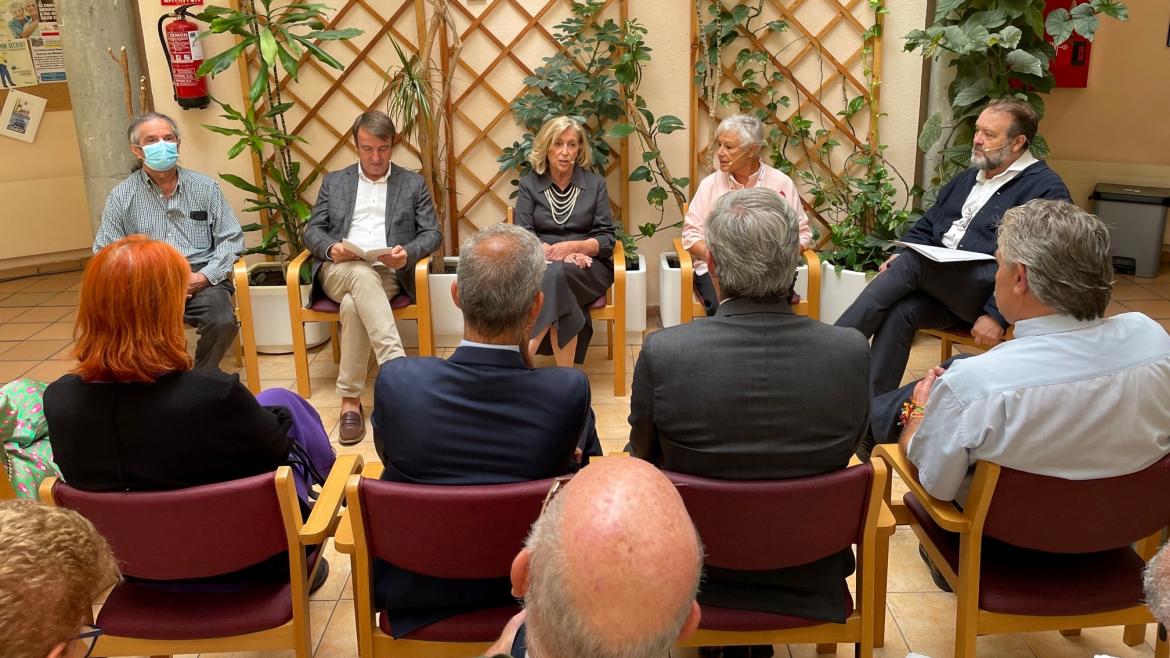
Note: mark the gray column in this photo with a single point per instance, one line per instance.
(97, 92)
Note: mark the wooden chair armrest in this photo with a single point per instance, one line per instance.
(886, 521)
(372, 470)
(45, 491)
(944, 512)
(292, 275)
(240, 274)
(684, 257)
(343, 537)
(422, 270)
(323, 520)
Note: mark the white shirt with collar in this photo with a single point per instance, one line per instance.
(1066, 398)
(980, 194)
(489, 346)
(368, 227)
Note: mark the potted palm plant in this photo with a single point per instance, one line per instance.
(278, 37)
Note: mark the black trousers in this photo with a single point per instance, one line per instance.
(915, 293)
(886, 410)
(211, 312)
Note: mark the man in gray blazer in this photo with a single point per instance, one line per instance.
(373, 204)
(755, 393)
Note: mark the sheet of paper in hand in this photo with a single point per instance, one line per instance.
(944, 255)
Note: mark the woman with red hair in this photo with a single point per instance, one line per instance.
(134, 416)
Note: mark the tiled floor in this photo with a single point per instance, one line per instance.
(36, 327)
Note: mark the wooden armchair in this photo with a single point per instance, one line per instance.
(960, 335)
(1030, 553)
(439, 530)
(328, 310)
(690, 306)
(203, 532)
(247, 326)
(611, 309)
(758, 525)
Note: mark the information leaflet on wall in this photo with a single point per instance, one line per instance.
(16, 65)
(21, 116)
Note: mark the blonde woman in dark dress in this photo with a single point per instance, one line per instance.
(567, 207)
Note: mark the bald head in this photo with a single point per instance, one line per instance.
(500, 268)
(612, 566)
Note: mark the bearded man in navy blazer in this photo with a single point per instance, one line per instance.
(912, 292)
(374, 204)
(483, 416)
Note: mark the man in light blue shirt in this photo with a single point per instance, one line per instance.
(188, 211)
(1074, 395)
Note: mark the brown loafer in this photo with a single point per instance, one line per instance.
(353, 427)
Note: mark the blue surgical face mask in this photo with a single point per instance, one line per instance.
(161, 155)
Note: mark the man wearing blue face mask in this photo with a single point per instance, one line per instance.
(188, 211)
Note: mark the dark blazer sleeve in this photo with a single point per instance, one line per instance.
(643, 435)
(522, 215)
(603, 227)
(427, 236)
(317, 236)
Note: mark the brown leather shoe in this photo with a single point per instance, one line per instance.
(353, 427)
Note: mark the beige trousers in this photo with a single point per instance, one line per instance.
(367, 320)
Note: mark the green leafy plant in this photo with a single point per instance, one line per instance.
(865, 202)
(998, 49)
(279, 37)
(594, 78)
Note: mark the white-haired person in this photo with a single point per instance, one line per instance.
(53, 564)
(739, 141)
(567, 207)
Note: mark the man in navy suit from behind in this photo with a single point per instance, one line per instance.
(483, 416)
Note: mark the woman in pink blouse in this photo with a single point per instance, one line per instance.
(739, 139)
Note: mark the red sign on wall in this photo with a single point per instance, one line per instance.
(175, 3)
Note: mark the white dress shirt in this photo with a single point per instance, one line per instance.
(1066, 398)
(980, 194)
(368, 228)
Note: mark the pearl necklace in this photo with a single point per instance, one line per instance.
(561, 204)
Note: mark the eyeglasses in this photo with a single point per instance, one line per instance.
(557, 485)
(90, 635)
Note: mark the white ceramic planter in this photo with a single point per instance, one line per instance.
(270, 317)
(446, 318)
(669, 295)
(670, 280)
(838, 290)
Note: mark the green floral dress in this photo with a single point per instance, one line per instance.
(27, 455)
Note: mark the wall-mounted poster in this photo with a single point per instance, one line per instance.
(21, 116)
(16, 65)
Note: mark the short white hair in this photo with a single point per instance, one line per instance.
(747, 127)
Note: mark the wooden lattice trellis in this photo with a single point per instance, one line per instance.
(504, 41)
(822, 56)
(827, 41)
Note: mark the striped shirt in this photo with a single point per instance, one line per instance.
(196, 220)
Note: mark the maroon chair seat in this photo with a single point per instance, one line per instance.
(326, 305)
(716, 618)
(155, 610)
(478, 626)
(1021, 581)
(598, 303)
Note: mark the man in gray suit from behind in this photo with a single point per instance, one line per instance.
(755, 393)
(373, 204)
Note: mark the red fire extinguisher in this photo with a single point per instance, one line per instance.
(184, 55)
